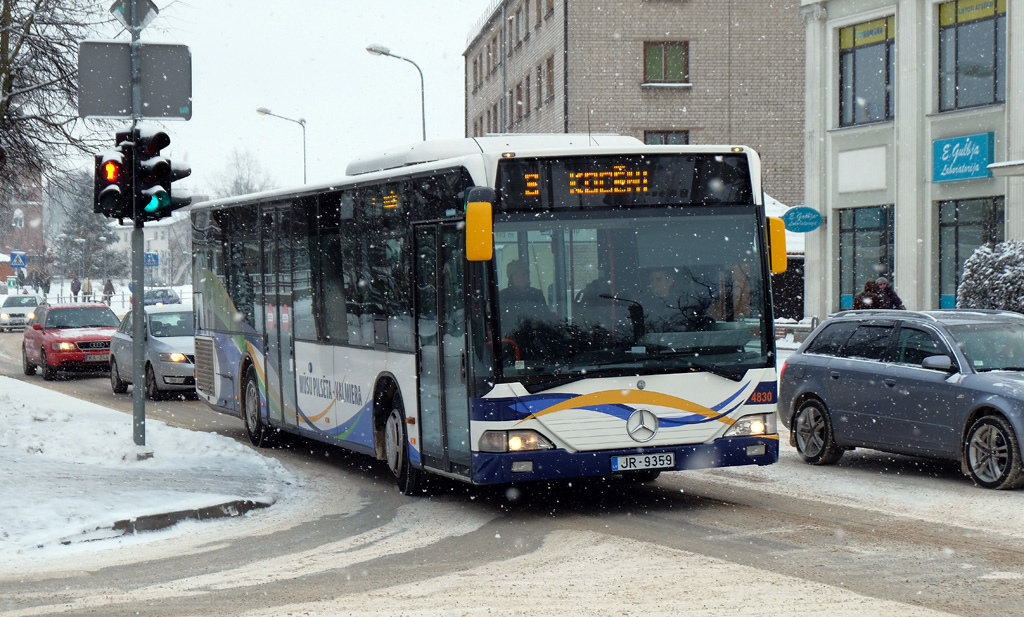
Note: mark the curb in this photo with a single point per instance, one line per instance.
(154, 522)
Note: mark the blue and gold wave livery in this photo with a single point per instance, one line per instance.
(620, 403)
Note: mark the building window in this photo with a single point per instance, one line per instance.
(540, 85)
(549, 79)
(666, 63)
(671, 138)
(867, 64)
(526, 94)
(972, 53)
(964, 226)
(519, 102)
(865, 249)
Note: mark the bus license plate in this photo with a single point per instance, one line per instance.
(661, 460)
(105, 357)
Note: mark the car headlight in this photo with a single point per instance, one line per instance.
(173, 357)
(754, 424)
(513, 441)
(63, 346)
(4, 316)
(30, 315)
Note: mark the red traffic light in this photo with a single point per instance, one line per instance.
(111, 171)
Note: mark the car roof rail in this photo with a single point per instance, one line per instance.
(890, 313)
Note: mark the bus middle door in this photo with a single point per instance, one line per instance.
(441, 338)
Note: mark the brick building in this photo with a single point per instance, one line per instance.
(21, 221)
(664, 71)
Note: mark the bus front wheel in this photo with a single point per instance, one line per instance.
(258, 432)
(396, 452)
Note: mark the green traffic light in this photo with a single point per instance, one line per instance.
(159, 199)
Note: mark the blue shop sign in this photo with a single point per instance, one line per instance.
(962, 158)
(802, 219)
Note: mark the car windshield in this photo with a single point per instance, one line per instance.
(991, 346)
(665, 291)
(171, 324)
(84, 317)
(17, 301)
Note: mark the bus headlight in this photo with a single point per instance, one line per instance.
(513, 441)
(755, 424)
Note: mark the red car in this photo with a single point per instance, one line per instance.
(68, 337)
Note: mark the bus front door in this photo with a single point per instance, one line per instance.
(441, 337)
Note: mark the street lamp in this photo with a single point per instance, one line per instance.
(380, 50)
(263, 111)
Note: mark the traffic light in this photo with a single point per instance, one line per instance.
(113, 181)
(154, 174)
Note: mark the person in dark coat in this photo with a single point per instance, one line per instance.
(869, 298)
(76, 286)
(889, 298)
(108, 292)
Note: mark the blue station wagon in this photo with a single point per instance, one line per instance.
(944, 384)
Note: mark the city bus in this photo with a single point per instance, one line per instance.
(501, 309)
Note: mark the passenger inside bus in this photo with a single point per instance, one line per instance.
(675, 301)
(519, 289)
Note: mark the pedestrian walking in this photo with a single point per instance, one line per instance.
(108, 292)
(76, 286)
(889, 298)
(87, 290)
(869, 298)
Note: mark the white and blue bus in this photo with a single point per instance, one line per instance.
(501, 309)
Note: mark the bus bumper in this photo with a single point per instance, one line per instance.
(489, 468)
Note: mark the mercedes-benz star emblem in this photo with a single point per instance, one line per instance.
(642, 425)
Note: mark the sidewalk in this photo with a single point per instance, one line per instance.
(70, 472)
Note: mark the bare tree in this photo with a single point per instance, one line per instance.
(86, 244)
(40, 132)
(241, 175)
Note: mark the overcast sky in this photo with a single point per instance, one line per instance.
(307, 59)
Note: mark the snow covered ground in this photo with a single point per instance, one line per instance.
(68, 467)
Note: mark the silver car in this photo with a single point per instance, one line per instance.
(170, 352)
(17, 310)
(943, 384)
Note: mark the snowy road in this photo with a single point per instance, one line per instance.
(873, 535)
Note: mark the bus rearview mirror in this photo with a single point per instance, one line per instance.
(479, 225)
(777, 245)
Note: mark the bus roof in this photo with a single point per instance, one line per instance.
(430, 151)
(439, 153)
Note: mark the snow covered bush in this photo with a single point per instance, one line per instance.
(993, 278)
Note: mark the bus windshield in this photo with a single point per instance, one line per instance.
(634, 291)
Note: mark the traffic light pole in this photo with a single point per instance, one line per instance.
(138, 245)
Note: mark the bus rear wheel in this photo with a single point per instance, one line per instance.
(259, 433)
(396, 453)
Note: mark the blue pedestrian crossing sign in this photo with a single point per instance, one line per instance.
(151, 260)
(17, 260)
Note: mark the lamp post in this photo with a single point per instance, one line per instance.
(380, 50)
(263, 111)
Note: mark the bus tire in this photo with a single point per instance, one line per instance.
(396, 453)
(259, 433)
